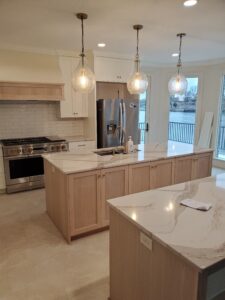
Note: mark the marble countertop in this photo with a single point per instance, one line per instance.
(86, 160)
(198, 236)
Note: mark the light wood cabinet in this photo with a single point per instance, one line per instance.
(183, 169)
(162, 173)
(77, 203)
(193, 167)
(202, 165)
(84, 202)
(75, 104)
(139, 177)
(114, 183)
(112, 69)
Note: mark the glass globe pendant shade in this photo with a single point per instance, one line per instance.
(178, 85)
(83, 79)
(137, 83)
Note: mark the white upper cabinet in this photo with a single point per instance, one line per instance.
(75, 104)
(112, 69)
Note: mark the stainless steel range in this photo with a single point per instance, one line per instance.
(23, 163)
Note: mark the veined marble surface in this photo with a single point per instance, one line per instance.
(87, 160)
(196, 235)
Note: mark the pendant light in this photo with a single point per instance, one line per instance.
(178, 83)
(83, 79)
(138, 82)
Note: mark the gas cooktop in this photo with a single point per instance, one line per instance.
(30, 140)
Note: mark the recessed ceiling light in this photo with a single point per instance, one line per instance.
(175, 54)
(101, 45)
(189, 3)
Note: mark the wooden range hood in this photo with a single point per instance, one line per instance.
(10, 90)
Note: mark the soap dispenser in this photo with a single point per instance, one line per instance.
(130, 145)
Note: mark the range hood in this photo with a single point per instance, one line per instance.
(30, 76)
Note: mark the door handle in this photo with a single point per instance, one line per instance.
(147, 127)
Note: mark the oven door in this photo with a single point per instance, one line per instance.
(23, 169)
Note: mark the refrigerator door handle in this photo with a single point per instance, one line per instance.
(124, 123)
(120, 123)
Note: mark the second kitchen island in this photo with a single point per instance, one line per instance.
(78, 184)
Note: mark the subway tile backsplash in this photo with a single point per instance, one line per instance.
(35, 119)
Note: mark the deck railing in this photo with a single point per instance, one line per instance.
(184, 133)
(221, 139)
(181, 132)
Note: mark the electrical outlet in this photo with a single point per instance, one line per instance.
(146, 241)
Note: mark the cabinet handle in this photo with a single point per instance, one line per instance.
(83, 145)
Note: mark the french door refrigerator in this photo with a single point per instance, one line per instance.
(117, 119)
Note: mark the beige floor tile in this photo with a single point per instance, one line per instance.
(36, 262)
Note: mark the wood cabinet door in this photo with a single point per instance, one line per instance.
(162, 173)
(80, 104)
(84, 202)
(183, 169)
(202, 165)
(112, 69)
(114, 183)
(139, 178)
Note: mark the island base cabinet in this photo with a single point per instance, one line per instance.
(139, 178)
(183, 169)
(114, 183)
(84, 202)
(162, 173)
(137, 272)
(202, 165)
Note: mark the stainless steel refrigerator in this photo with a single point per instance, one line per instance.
(117, 119)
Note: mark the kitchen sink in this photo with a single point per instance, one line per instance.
(110, 152)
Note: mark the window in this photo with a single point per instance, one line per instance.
(183, 114)
(220, 148)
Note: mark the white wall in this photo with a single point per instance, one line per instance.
(210, 82)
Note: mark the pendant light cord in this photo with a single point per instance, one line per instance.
(137, 52)
(179, 63)
(82, 42)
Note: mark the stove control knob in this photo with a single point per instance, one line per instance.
(58, 148)
(30, 150)
(63, 147)
(53, 148)
(19, 151)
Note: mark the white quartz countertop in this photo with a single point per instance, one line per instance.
(87, 160)
(198, 236)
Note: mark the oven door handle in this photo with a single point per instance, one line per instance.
(21, 156)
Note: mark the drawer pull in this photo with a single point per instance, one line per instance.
(83, 145)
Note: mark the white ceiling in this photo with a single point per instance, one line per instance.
(51, 24)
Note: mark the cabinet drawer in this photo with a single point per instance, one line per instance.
(74, 146)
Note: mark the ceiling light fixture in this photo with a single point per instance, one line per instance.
(178, 83)
(138, 82)
(175, 54)
(83, 79)
(190, 3)
(101, 45)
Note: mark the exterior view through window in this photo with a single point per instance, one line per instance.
(142, 117)
(183, 113)
(220, 149)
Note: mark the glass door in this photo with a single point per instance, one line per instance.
(220, 147)
(182, 116)
(142, 124)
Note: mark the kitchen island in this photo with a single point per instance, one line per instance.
(78, 184)
(162, 250)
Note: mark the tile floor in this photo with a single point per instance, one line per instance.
(35, 261)
(37, 264)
